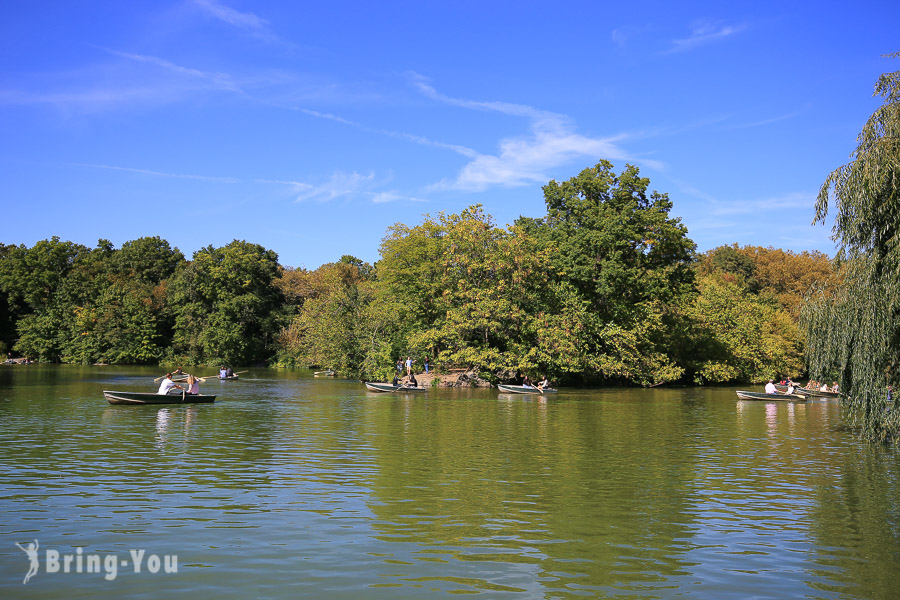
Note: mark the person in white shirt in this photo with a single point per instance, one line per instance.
(167, 384)
(770, 388)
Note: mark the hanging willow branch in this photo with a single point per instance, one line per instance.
(854, 333)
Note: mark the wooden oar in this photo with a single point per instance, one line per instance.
(174, 376)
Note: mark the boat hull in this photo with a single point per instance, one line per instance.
(742, 395)
(140, 398)
(390, 388)
(521, 389)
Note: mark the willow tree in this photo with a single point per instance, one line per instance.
(854, 331)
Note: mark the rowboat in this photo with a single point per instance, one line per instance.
(389, 387)
(742, 395)
(135, 398)
(522, 389)
(324, 374)
(817, 393)
(229, 378)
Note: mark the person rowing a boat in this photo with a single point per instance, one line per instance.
(543, 383)
(167, 385)
(770, 388)
(412, 381)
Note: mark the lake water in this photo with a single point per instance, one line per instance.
(295, 487)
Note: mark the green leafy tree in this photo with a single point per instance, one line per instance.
(616, 242)
(467, 291)
(620, 262)
(227, 305)
(346, 325)
(739, 336)
(40, 283)
(854, 331)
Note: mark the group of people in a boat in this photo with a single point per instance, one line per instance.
(407, 381)
(168, 384)
(810, 385)
(822, 386)
(540, 385)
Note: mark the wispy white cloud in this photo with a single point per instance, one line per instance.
(219, 80)
(343, 185)
(135, 80)
(768, 121)
(256, 26)
(528, 158)
(161, 174)
(783, 202)
(704, 32)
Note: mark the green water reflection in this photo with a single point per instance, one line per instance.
(291, 486)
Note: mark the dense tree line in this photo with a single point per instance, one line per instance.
(142, 303)
(605, 288)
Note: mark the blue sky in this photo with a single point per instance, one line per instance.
(309, 128)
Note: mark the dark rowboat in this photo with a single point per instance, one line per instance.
(742, 395)
(389, 387)
(135, 398)
(521, 389)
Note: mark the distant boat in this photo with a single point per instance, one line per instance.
(389, 387)
(523, 389)
(136, 398)
(742, 395)
(328, 373)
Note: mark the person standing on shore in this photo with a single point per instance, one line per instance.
(426, 364)
(409, 364)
